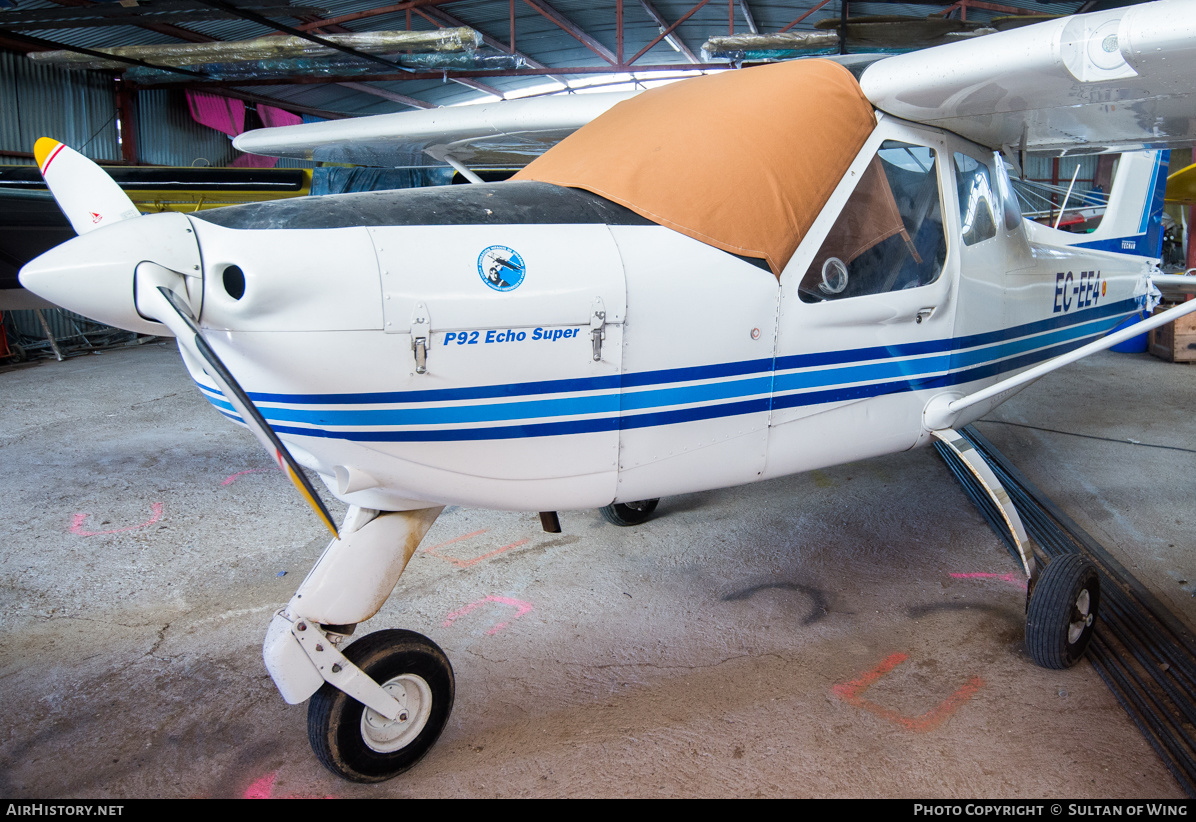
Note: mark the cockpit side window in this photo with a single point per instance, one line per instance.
(889, 235)
(974, 183)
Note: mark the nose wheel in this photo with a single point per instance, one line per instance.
(361, 745)
(1062, 612)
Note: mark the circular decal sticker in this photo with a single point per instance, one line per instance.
(501, 268)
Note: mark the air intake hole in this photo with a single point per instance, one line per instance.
(234, 282)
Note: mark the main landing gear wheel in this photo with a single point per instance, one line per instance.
(629, 513)
(361, 745)
(1062, 612)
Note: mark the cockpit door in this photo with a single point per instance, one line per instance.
(867, 307)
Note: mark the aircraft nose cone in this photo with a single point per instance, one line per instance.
(93, 274)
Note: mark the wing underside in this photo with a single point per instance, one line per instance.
(1115, 80)
(492, 135)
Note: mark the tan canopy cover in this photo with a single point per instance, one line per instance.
(743, 160)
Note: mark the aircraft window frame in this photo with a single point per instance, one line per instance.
(1010, 206)
(977, 217)
(890, 234)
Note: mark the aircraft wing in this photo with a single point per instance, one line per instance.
(490, 135)
(1115, 80)
(1111, 80)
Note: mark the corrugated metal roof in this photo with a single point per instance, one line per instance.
(535, 36)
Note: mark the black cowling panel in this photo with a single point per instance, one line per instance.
(508, 203)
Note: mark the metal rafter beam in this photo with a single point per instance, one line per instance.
(443, 18)
(804, 16)
(387, 95)
(669, 31)
(112, 14)
(195, 37)
(368, 13)
(748, 18)
(18, 47)
(619, 53)
(50, 45)
(268, 23)
(963, 5)
(308, 79)
(482, 87)
(314, 21)
(168, 29)
(571, 28)
(467, 83)
(672, 38)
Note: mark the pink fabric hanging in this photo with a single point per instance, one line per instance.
(272, 117)
(221, 113)
(228, 116)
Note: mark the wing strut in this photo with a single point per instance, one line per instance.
(462, 169)
(942, 411)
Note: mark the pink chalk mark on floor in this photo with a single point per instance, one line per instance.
(853, 694)
(519, 605)
(78, 520)
(1012, 578)
(264, 789)
(465, 563)
(261, 789)
(229, 480)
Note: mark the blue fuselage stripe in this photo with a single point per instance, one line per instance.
(895, 369)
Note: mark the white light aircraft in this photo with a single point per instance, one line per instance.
(731, 278)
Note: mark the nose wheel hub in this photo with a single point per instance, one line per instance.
(386, 735)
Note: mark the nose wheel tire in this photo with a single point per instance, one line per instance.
(357, 743)
(629, 513)
(1062, 612)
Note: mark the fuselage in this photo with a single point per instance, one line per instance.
(574, 353)
(534, 347)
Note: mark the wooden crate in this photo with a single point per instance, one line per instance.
(1174, 342)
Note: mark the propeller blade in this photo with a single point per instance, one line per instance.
(177, 316)
(88, 197)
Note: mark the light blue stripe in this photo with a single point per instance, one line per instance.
(504, 412)
(861, 373)
(999, 352)
(613, 403)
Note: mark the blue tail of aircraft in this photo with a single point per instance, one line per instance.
(1133, 221)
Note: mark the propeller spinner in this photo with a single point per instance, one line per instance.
(141, 275)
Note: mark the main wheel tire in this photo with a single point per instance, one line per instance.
(358, 744)
(629, 513)
(1062, 612)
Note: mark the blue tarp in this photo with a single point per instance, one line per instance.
(346, 180)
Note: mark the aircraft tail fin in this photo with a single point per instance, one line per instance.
(1133, 221)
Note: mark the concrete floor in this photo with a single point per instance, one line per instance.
(723, 649)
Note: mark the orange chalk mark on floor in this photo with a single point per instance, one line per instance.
(519, 605)
(465, 563)
(78, 520)
(852, 693)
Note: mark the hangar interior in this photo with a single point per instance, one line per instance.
(853, 627)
